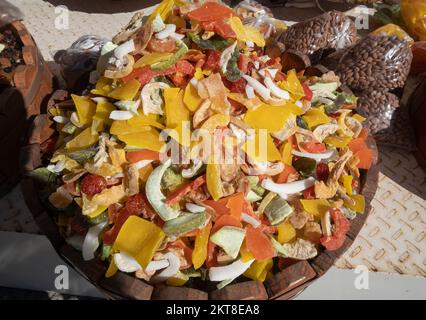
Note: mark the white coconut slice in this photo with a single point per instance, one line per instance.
(193, 208)
(167, 32)
(121, 115)
(156, 265)
(142, 163)
(126, 263)
(250, 220)
(177, 36)
(171, 270)
(91, 241)
(99, 99)
(250, 92)
(263, 91)
(316, 156)
(230, 271)
(288, 188)
(275, 90)
(151, 98)
(61, 119)
(124, 49)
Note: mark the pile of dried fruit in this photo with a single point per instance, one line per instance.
(281, 181)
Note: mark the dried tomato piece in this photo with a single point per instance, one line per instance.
(341, 227)
(212, 60)
(135, 205)
(210, 11)
(175, 196)
(161, 45)
(243, 63)
(309, 193)
(138, 204)
(219, 27)
(113, 211)
(185, 67)
(92, 184)
(238, 86)
(237, 108)
(308, 92)
(179, 80)
(145, 74)
(200, 63)
(314, 147)
(322, 171)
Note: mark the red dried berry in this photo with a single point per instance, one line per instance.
(309, 193)
(238, 86)
(341, 227)
(322, 171)
(138, 205)
(92, 184)
(212, 60)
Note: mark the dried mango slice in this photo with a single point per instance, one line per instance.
(176, 112)
(86, 109)
(140, 239)
(149, 139)
(316, 207)
(286, 232)
(271, 118)
(83, 140)
(126, 91)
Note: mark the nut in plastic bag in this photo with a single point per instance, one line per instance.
(386, 120)
(9, 13)
(331, 30)
(342, 32)
(79, 60)
(269, 27)
(378, 61)
(249, 9)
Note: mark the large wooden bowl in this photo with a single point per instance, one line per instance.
(19, 104)
(283, 284)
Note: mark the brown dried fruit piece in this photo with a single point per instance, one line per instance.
(312, 231)
(213, 88)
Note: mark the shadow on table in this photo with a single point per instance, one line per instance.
(104, 6)
(107, 6)
(23, 294)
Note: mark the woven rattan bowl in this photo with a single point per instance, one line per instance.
(284, 284)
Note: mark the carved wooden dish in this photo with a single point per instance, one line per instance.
(19, 104)
(285, 284)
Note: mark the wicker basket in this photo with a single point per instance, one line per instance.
(284, 284)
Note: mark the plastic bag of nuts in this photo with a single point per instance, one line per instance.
(261, 17)
(386, 120)
(79, 60)
(379, 61)
(331, 30)
(249, 9)
(269, 27)
(378, 109)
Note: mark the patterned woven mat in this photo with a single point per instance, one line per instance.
(394, 236)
